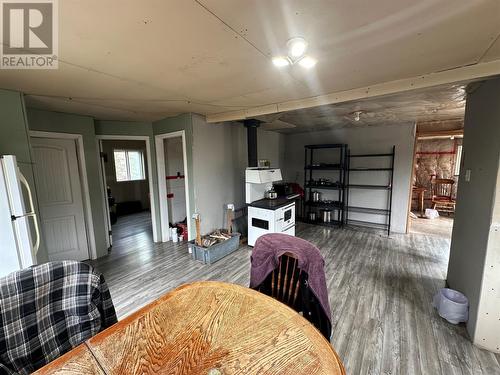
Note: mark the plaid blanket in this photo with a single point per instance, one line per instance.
(47, 310)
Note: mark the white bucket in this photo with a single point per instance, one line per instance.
(452, 305)
(431, 213)
(173, 234)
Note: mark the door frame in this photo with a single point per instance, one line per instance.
(162, 183)
(80, 155)
(104, 194)
(420, 136)
(152, 205)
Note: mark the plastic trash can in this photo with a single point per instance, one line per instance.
(452, 305)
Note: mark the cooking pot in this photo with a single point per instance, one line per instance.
(271, 194)
(327, 216)
(315, 196)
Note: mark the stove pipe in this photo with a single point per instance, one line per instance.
(252, 126)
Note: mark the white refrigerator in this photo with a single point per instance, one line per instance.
(17, 219)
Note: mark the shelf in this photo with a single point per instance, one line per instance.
(325, 187)
(324, 205)
(368, 210)
(334, 223)
(384, 164)
(332, 160)
(369, 155)
(323, 168)
(331, 145)
(374, 187)
(367, 224)
(369, 169)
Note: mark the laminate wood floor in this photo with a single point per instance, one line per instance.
(380, 293)
(133, 225)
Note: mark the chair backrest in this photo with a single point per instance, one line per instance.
(288, 284)
(442, 187)
(284, 281)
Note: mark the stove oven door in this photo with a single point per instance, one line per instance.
(260, 221)
(285, 219)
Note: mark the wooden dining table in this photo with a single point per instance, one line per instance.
(205, 327)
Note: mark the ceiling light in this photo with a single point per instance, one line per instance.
(357, 115)
(296, 54)
(297, 47)
(280, 61)
(307, 62)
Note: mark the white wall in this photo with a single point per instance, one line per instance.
(219, 162)
(373, 139)
(174, 165)
(270, 145)
(475, 247)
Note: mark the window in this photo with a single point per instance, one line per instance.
(458, 160)
(129, 165)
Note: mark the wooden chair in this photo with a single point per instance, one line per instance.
(442, 194)
(288, 284)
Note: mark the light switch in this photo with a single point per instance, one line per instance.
(467, 175)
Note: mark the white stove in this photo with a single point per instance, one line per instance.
(267, 215)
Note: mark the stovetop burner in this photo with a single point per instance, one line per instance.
(272, 204)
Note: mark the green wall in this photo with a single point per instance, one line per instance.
(168, 125)
(473, 223)
(178, 123)
(16, 121)
(14, 140)
(75, 124)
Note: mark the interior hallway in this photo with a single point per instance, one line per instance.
(132, 232)
(380, 292)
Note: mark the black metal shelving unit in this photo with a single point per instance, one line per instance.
(338, 171)
(371, 210)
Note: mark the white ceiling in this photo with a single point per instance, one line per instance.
(145, 60)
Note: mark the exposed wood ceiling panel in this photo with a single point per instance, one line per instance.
(432, 106)
(145, 60)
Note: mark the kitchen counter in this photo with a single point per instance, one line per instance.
(274, 204)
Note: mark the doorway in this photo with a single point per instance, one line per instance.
(173, 183)
(435, 182)
(126, 173)
(62, 196)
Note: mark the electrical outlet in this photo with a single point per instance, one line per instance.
(467, 175)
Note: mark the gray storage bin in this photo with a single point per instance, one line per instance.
(209, 255)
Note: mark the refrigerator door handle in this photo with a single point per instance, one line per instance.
(31, 213)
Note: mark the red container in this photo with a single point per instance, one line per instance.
(184, 234)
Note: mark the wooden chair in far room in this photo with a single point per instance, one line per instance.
(442, 194)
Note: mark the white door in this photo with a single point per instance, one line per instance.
(60, 199)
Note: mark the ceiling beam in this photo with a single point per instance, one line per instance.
(440, 133)
(461, 74)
